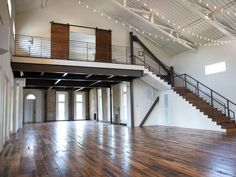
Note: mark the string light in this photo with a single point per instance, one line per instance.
(129, 26)
(222, 10)
(179, 28)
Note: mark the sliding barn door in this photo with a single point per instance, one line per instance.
(103, 46)
(60, 34)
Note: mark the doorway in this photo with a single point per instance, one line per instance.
(30, 109)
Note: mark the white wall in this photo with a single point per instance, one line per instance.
(194, 65)
(18, 104)
(39, 114)
(36, 22)
(144, 96)
(6, 98)
(6, 20)
(171, 110)
(11, 102)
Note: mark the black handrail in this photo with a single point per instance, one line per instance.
(169, 71)
(152, 69)
(136, 39)
(225, 103)
(209, 88)
(196, 88)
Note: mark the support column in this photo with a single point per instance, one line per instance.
(87, 107)
(45, 105)
(132, 102)
(71, 105)
(131, 48)
(111, 105)
(152, 18)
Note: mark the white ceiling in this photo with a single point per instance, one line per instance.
(181, 14)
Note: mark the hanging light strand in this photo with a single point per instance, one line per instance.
(178, 27)
(149, 34)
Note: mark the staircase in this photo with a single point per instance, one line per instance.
(212, 104)
(207, 109)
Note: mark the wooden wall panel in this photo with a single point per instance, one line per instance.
(103, 46)
(60, 34)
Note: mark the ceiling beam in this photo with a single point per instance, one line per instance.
(139, 32)
(50, 83)
(153, 25)
(43, 3)
(31, 67)
(211, 21)
(140, 10)
(72, 77)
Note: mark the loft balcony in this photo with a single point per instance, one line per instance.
(41, 47)
(88, 64)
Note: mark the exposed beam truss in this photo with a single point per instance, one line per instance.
(209, 17)
(71, 84)
(169, 33)
(72, 77)
(145, 36)
(43, 3)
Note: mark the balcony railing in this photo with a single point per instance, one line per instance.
(40, 47)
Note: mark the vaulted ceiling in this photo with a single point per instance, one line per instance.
(174, 25)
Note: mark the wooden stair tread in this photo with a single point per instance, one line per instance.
(207, 109)
(231, 130)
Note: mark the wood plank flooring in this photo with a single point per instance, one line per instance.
(90, 149)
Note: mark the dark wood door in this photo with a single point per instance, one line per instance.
(103, 46)
(60, 41)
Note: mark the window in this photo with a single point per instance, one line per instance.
(14, 29)
(9, 7)
(30, 97)
(124, 104)
(62, 105)
(100, 113)
(215, 68)
(79, 106)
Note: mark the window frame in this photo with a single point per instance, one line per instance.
(219, 68)
(65, 105)
(83, 105)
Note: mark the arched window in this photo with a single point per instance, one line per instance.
(30, 97)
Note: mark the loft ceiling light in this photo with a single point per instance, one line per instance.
(146, 16)
(148, 8)
(164, 37)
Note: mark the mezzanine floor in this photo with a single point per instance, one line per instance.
(88, 148)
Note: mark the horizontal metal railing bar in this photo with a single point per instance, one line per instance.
(210, 89)
(151, 57)
(179, 76)
(49, 39)
(208, 94)
(202, 91)
(147, 65)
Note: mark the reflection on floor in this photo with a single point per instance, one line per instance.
(87, 148)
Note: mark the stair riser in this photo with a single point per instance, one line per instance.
(222, 121)
(228, 126)
(231, 130)
(213, 113)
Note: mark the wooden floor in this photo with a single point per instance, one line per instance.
(100, 149)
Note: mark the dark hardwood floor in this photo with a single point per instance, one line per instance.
(87, 148)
